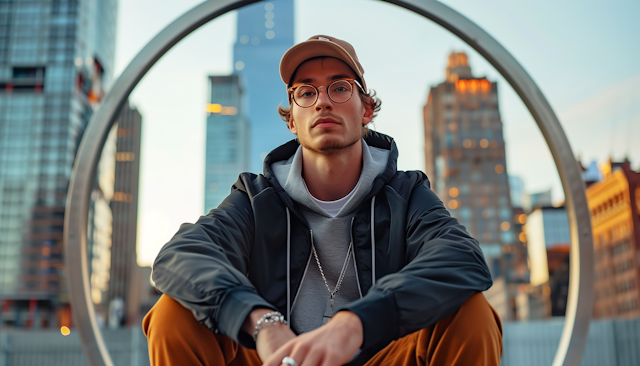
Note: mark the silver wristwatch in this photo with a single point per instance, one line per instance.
(268, 320)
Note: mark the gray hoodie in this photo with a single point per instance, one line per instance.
(331, 238)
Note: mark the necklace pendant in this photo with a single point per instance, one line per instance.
(328, 311)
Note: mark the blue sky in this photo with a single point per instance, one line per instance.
(582, 54)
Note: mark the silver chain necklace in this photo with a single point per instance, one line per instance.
(328, 313)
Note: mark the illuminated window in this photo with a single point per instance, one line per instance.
(453, 204)
(453, 192)
(125, 156)
(124, 132)
(522, 218)
(504, 226)
(218, 108)
(214, 108)
(461, 85)
(122, 197)
(485, 85)
(484, 143)
(474, 85)
(499, 169)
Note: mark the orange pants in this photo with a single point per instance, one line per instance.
(472, 335)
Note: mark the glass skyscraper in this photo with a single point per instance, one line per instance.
(56, 61)
(265, 33)
(123, 297)
(227, 138)
(243, 124)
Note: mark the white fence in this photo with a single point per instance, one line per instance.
(610, 343)
(51, 348)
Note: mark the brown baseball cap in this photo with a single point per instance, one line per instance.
(318, 46)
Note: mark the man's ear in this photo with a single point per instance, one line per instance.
(368, 114)
(292, 125)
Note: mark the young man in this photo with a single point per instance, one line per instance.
(332, 256)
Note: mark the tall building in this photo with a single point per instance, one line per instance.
(516, 185)
(56, 61)
(265, 32)
(100, 225)
(548, 244)
(465, 156)
(539, 199)
(120, 303)
(615, 220)
(227, 138)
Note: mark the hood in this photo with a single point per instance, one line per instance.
(373, 139)
(289, 175)
(254, 184)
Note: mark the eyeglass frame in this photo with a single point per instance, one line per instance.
(290, 90)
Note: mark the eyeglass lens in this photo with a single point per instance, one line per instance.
(306, 95)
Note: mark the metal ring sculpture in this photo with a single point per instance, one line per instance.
(580, 298)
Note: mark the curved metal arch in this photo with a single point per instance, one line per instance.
(580, 299)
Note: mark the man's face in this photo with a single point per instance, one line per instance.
(328, 127)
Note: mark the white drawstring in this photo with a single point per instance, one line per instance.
(355, 264)
(373, 243)
(288, 268)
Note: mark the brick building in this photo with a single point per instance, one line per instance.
(615, 206)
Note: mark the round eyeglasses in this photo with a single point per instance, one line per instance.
(340, 91)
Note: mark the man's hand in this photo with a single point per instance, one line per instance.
(333, 344)
(270, 339)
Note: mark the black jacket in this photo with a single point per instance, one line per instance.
(235, 259)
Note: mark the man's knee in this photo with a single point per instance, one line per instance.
(472, 335)
(165, 316)
(478, 322)
(477, 310)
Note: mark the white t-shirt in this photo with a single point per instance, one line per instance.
(332, 207)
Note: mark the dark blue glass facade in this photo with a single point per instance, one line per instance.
(265, 32)
(56, 61)
(227, 138)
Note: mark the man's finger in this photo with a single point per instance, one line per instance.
(309, 358)
(280, 353)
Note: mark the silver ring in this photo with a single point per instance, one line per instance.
(289, 361)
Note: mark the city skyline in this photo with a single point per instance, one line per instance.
(591, 82)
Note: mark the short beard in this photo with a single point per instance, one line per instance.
(330, 149)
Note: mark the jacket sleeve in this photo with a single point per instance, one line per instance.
(445, 267)
(204, 267)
